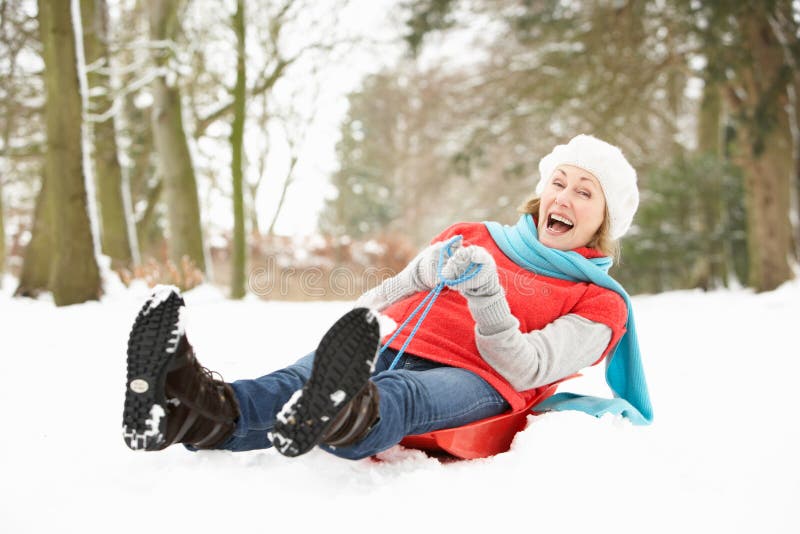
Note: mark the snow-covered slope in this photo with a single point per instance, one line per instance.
(720, 457)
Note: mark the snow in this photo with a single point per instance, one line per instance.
(720, 457)
(338, 396)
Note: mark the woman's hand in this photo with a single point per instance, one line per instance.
(426, 264)
(485, 283)
(421, 274)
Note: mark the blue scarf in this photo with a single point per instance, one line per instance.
(624, 373)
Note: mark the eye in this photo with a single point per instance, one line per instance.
(558, 183)
(585, 194)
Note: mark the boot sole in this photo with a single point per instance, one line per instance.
(344, 361)
(152, 342)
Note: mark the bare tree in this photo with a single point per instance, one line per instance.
(786, 28)
(758, 97)
(37, 266)
(262, 123)
(133, 74)
(269, 62)
(117, 239)
(237, 148)
(295, 120)
(20, 123)
(175, 162)
(2, 238)
(75, 276)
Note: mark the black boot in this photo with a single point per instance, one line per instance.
(356, 419)
(342, 366)
(170, 398)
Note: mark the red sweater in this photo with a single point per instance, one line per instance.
(448, 333)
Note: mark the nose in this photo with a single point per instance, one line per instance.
(561, 198)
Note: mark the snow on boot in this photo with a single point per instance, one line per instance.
(343, 363)
(170, 398)
(356, 419)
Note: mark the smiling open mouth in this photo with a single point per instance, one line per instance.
(558, 224)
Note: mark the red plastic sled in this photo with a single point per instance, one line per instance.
(480, 439)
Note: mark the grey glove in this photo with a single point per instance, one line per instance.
(485, 295)
(421, 274)
(424, 269)
(485, 283)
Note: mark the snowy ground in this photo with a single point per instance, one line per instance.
(722, 369)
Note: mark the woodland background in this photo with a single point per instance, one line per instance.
(137, 136)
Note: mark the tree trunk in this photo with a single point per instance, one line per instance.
(795, 198)
(764, 152)
(75, 276)
(175, 162)
(10, 112)
(35, 275)
(115, 235)
(2, 238)
(6, 138)
(286, 183)
(709, 128)
(253, 187)
(252, 211)
(787, 29)
(718, 258)
(141, 172)
(237, 141)
(147, 230)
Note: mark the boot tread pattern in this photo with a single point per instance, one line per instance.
(153, 339)
(342, 366)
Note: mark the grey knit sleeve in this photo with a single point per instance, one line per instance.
(407, 282)
(560, 349)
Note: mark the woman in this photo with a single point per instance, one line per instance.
(539, 309)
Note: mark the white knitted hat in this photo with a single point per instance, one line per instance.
(609, 166)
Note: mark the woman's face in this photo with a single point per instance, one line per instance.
(571, 209)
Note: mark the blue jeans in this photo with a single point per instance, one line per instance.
(417, 396)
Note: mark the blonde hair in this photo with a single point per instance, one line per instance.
(601, 241)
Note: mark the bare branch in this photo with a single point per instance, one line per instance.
(260, 87)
